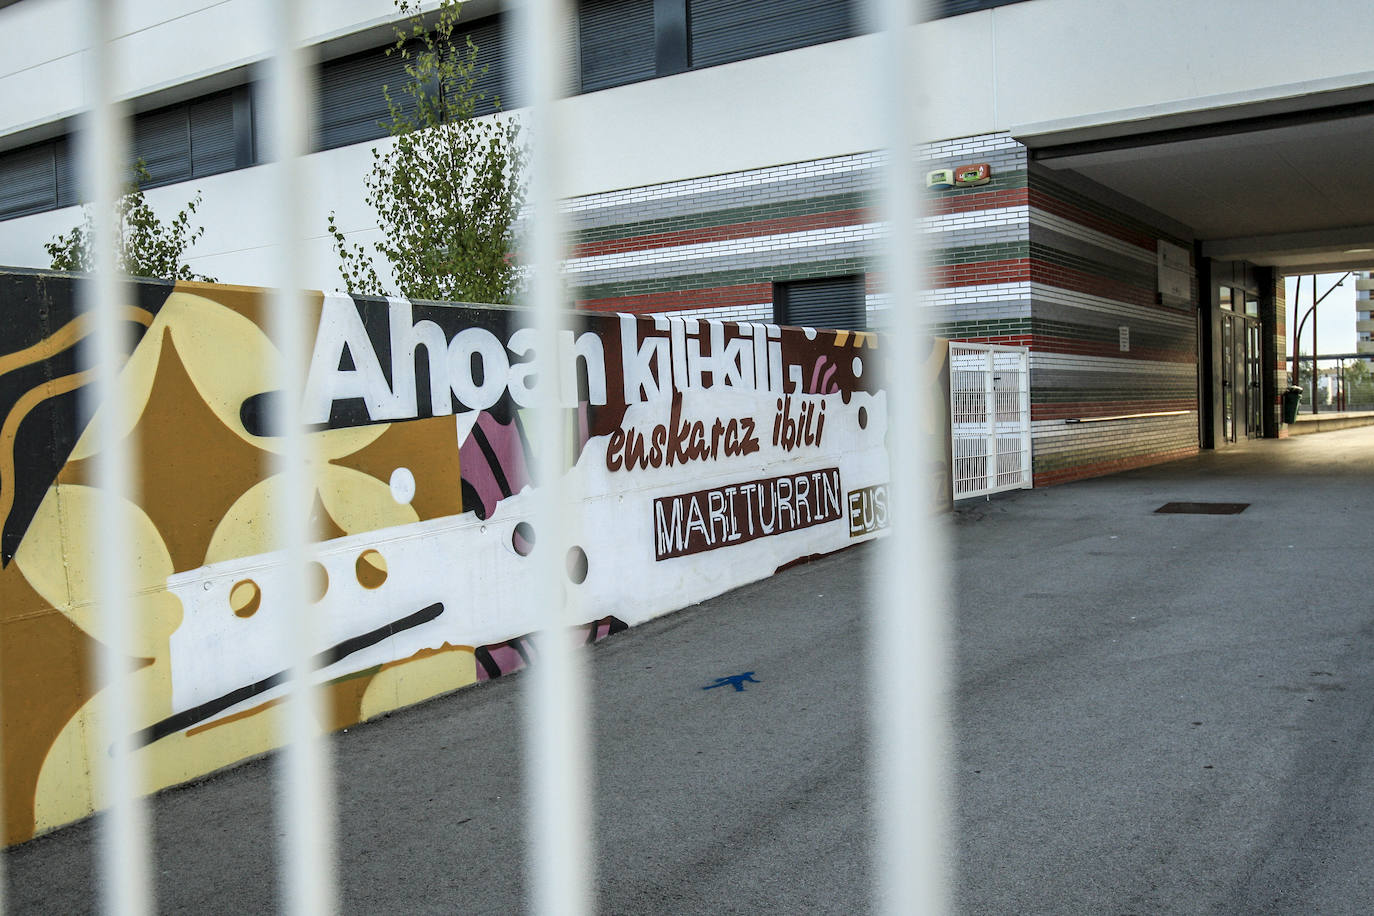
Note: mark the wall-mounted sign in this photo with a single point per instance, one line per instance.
(1123, 337)
(968, 176)
(1175, 274)
(940, 179)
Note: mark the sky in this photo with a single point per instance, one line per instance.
(1335, 316)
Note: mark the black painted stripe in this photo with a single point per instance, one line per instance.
(189, 717)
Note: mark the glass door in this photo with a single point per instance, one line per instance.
(1228, 378)
(1254, 413)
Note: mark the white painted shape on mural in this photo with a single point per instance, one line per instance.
(402, 486)
(471, 567)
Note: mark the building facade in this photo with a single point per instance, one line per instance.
(723, 158)
(1364, 315)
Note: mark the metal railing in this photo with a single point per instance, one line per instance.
(908, 599)
(1343, 382)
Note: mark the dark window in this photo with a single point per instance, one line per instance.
(616, 40)
(28, 179)
(721, 31)
(351, 100)
(162, 142)
(352, 106)
(212, 135)
(941, 9)
(832, 302)
(188, 140)
(63, 150)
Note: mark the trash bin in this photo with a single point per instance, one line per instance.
(1291, 397)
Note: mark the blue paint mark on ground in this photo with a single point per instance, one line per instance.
(736, 681)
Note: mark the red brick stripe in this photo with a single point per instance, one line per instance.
(778, 226)
(1086, 411)
(976, 274)
(1043, 201)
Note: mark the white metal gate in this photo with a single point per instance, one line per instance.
(989, 402)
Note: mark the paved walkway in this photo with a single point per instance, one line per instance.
(1154, 714)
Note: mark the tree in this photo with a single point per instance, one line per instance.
(448, 191)
(144, 245)
(1359, 386)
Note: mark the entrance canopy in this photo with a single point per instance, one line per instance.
(1285, 183)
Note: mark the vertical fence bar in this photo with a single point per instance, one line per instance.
(1023, 383)
(556, 743)
(908, 616)
(993, 414)
(305, 801)
(124, 829)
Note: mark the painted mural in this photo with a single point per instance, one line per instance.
(705, 454)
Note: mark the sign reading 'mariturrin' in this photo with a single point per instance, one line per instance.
(728, 515)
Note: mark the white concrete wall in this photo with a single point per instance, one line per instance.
(1079, 61)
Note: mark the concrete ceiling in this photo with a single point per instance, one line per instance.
(1287, 184)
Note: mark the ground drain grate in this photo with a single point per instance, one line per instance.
(1202, 508)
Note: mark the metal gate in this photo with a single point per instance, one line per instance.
(910, 732)
(989, 405)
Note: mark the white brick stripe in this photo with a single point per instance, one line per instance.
(977, 219)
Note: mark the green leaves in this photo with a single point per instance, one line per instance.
(144, 245)
(449, 190)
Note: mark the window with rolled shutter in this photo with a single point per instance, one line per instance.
(353, 106)
(941, 9)
(28, 180)
(212, 134)
(721, 31)
(188, 140)
(616, 40)
(831, 302)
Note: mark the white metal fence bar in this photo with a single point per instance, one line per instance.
(123, 831)
(910, 730)
(305, 797)
(989, 418)
(556, 742)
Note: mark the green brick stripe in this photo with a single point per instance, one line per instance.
(976, 254)
(719, 218)
(1002, 327)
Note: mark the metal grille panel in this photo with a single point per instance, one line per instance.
(990, 417)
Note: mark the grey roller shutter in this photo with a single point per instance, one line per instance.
(616, 41)
(352, 103)
(496, 84)
(162, 142)
(66, 172)
(833, 302)
(721, 31)
(28, 180)
(352, 106)
(943, 8)
(212, 134)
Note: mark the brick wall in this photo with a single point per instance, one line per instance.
(1094, 273)
(1021, 260)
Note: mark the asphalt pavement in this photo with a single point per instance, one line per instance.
(1154, 713)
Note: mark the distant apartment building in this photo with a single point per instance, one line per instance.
(1364, 315)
